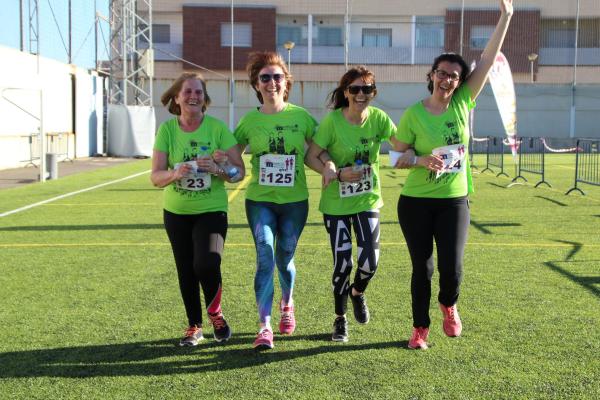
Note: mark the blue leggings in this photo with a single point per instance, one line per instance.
(276, 229)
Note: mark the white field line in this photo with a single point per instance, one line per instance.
(62, 196)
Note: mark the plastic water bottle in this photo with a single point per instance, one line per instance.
(231, 171)
(357, 167)
(203, 154)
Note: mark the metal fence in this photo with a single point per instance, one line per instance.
(531, 159)
(494, 155)
(587, 164)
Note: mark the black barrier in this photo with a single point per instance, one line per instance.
(495, 155)
(532, 159)
(587, 161)
(476, 146)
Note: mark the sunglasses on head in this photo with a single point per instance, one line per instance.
(367, 89)
(266, 78)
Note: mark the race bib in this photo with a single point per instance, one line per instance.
(195, 180)
(453, 157)
(365, 185)
(277, 170)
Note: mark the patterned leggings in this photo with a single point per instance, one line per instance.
(339, 228)
(276, 229)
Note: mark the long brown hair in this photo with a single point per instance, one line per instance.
(260, 59)
(168, 97)
(337, 99)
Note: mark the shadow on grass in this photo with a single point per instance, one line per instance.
(552, 201)
(36, 228)
(587, 282)
(497, 185)
(163, 357)
(482, 227)
(576, 246)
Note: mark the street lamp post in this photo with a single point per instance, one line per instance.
(532, 57)
(289, 46)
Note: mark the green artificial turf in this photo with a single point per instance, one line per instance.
(90, 306)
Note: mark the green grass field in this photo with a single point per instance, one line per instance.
(90, 306)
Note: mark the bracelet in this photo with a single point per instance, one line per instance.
(339, 175)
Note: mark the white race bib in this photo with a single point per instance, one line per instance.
(365, 185)
(195, 180)
(277, 170)
(453, 157)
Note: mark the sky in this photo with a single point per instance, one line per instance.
(54, 28)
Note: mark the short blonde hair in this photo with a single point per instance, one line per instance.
(168, 97)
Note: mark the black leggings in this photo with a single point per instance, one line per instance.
(197, 266)
(366, 229)
(446, 221)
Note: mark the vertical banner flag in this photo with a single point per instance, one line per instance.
(504, 93)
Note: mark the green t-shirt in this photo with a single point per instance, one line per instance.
(345, 144)
(182, 146)
(277, 147)
(426, 132)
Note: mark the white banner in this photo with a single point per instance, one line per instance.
(504, 93)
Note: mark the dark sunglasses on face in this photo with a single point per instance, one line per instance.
(367, 89)
(441, 74)
(266, 78)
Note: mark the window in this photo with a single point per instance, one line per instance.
(289, 34)
(242, 35)
(329, 36)
(480, 35)
(429, 31)
(376, 37)
(161, 33)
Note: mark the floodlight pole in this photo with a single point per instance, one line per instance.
(573, 86)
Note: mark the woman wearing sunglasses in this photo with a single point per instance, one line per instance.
(433, 205)
(277, 197)
(185, 161)
(351, 134)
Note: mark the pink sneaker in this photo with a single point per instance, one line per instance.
(264, 340)
(287, 323)
(452, 325)
(418, 340)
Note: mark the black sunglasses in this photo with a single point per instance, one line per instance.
(367, 89)
(266, 78)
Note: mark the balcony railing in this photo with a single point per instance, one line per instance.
(566, 56)
(363, 55)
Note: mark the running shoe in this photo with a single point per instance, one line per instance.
(264, 339)
(418, 340)
(452, 325)
(221, 330)
(340, 330)
(361, 311)
(287, 323)
(192, 336)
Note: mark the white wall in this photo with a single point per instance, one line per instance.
(20, 85)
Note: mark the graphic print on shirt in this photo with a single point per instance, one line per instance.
(450, 135)
(193, 184)
(278, 166)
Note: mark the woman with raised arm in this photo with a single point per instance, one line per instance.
(433, 206)
(276, 133)
(190, 151)
(351, 135)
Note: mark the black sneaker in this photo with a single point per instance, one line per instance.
(361, 311)
(340, 330)
(221, 330)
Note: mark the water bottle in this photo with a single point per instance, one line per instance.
(231, 171)
(203, 154)
(357, 167)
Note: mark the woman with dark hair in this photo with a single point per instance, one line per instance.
(277, 197)
(351, 134)
(187, 152)
(434, 205)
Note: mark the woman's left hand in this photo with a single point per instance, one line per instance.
(219, 156)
